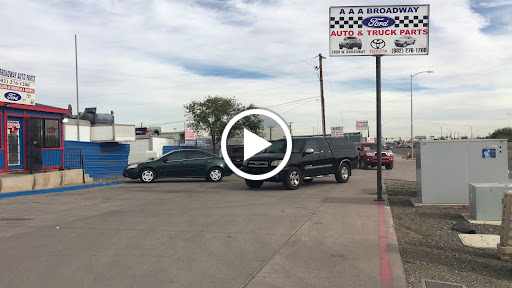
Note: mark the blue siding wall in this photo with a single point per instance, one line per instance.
(51, 158)
(102, 160)
(167, 149)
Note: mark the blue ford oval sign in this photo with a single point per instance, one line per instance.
(378, 22)
(12, 96)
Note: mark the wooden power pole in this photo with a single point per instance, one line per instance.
(270, 128)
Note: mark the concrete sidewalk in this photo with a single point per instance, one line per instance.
(348, 241)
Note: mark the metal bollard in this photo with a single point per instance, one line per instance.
(505, 245)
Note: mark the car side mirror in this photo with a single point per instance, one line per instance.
(309, 151)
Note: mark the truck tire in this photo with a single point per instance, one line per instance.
(343, 174)
(293, 179)
(254, 184)
(389, 166)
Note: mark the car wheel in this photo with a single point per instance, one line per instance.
(293, 179)
(389, 166)
(254, 184)
(341, 46)
(215, 174)
(343, 174)
(308, 180)
(147, 175)
(405, 44)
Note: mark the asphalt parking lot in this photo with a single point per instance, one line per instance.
(192, 233)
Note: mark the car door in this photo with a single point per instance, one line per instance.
(325, 160)
(196, 163)
(311, 161)
(172, 165)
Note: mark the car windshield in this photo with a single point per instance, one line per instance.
(280, 146)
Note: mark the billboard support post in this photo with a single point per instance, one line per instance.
(383, 30)
(379, 130)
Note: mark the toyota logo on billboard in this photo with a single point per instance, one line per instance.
(378, 44)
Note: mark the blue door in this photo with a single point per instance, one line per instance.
(15, 142)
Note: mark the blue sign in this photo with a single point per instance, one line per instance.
(12, 96)
(488, 153)
(378, 22)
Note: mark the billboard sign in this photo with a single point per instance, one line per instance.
(190, 134)
(379, 30)
(337, 131)
(362, 125)
(17, 87)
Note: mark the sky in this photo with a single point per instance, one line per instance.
(145, 59)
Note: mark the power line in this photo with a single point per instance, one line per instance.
(335, 100)
(292, 102)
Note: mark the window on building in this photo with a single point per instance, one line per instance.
(43, 133)
(51, 133)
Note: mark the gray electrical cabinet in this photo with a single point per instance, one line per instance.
(485, 200)
(444, 169)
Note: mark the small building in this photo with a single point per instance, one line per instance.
(31, 137)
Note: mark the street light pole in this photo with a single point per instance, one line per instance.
(412, 134)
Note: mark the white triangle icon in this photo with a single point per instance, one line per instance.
(253, 144)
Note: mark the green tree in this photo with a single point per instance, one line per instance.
(213, 114)
(503, 133)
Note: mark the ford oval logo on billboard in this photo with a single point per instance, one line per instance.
(12, 96)
(378, 22)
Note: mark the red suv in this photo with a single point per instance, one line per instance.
(367, 155)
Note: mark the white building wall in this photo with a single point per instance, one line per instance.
(139, 147)
(159, 143)
(70, 130)
(138, 150)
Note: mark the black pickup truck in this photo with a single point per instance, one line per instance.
(311, 157)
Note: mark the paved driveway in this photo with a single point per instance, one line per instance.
(177, 233)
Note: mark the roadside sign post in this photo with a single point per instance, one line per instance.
(386, 30)
(379, 130)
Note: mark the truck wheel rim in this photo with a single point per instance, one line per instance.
(215, 175)
(344, 172)
(294, 178)
(147, 176)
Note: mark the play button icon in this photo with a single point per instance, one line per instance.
(253, 144)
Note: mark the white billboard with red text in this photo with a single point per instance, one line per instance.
(17, 87)
(379, 30)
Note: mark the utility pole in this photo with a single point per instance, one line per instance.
(270, 127)
(320, 57)
(290, 128)
(77, 103)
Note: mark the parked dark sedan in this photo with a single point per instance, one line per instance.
(237, 156)
(191, 163)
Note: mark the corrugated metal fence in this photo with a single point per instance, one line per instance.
(101, 160)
